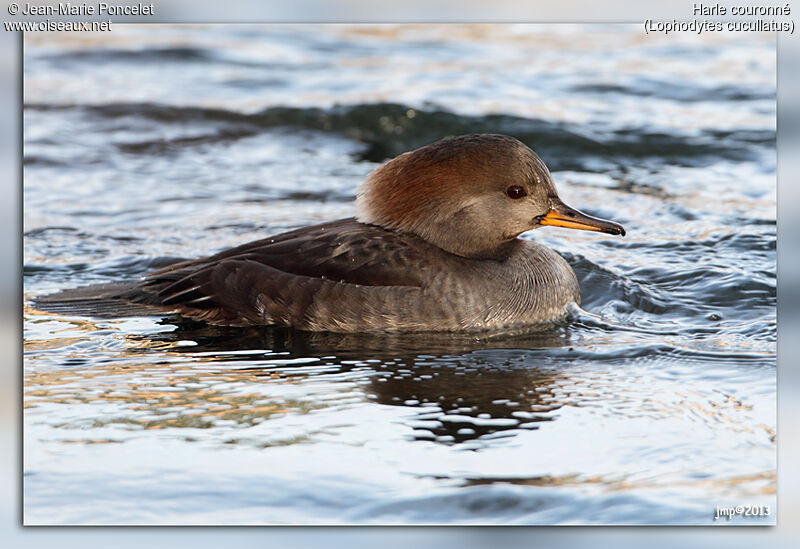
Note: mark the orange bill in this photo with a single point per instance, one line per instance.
(561, 215)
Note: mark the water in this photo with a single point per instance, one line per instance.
(654, 406)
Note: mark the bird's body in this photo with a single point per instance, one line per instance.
(442, 260)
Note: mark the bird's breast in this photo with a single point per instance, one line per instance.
(533, 285)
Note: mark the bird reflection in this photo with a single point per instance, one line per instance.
(469, 396)
(465, 388)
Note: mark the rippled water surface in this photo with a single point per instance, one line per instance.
(654, 406)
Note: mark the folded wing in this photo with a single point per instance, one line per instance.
(321, 278)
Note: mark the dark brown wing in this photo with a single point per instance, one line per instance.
(320, 277)
(305, 278)
(343, 250)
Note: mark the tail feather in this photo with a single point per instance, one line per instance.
(109, 300)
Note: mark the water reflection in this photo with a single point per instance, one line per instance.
(378, 346)
(465, 387)
(468, 397)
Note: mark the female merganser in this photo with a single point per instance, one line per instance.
(434, 247)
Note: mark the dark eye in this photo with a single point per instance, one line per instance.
(515, 192)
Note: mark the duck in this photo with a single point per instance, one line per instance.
(435, 247)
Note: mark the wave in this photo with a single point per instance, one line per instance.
(389, 129)
(148, 55)
(686, 92)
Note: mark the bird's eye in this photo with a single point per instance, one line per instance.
(515, 192)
